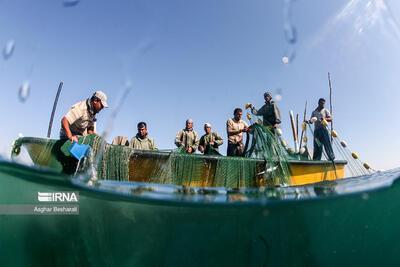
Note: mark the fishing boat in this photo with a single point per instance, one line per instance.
(122, 163)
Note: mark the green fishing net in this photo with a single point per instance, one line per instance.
(264, 162)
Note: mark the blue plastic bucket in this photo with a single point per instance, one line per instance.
(79, 150)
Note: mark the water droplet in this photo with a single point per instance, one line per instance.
(365, 196)
(288, 28)
(70, 3)
(289, 56)
(278, 94)
(20, 135)
(24, 91)
(290, 33)
(8, 49)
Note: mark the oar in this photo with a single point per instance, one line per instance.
(54, 109)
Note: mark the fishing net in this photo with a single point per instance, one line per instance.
(265, 144)
(263, 164)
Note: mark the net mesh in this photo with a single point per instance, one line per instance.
(264, 162)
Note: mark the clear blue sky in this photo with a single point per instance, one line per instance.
(200, 60)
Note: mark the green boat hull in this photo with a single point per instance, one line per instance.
(113, 229)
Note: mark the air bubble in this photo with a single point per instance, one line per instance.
(8, 49)
(24, 91)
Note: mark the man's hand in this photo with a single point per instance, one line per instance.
(245, 129)
(201, 148)
(212, 143)
(189, 150)
(275, 125)
(182, 144)
(73, 138)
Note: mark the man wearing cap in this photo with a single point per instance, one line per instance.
(235, 127)
(141, 140)
(270, 112)
(81, 118)
(321, 134)
(210, 139)
(188, 138)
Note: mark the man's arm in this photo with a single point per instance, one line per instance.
(218, 139)
(201, 144)
(67, 130)
(231, 131)
(277, 115)
(255, 111)
(196, 141)
(178, 139)
(153, 145)
(328, 116)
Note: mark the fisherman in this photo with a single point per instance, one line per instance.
(321, 135)
(210, 141)
(235, 127)
(81, 118)
(270, 112)
(141, 140)
(188, 138)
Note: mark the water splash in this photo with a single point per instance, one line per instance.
(70, 3)
(24, 91)
(288, 28)
(290, 32)
(92, 172)
(289, 56)
(8, 49)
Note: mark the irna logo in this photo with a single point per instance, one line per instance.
(58, 196)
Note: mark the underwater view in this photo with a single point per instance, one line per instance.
(201, 133)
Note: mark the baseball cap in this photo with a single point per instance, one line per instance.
(103, 98)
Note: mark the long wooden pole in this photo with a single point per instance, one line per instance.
(54, 109)
(304, 119)
(330, 102)
(294, 131)
(297, 124)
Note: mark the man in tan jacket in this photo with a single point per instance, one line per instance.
(188, 138)
(141, 140)
(81, 118)
(210, 139)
